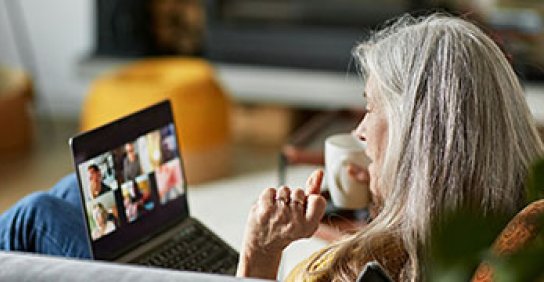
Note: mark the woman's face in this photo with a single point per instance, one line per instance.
(373, 130)
(100, 219)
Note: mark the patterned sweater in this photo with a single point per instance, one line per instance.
(389, 253)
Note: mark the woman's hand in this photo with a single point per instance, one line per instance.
(362, 175)
(359, 173)
(278, 218)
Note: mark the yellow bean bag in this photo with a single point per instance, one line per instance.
(199, 105)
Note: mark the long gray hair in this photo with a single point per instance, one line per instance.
(460, 134)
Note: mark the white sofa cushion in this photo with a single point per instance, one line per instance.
(15, 266)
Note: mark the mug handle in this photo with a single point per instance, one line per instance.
(336, 173)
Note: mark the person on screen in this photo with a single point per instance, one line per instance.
(131, 207)
(169, 180)
(153, 145)
(133, 200)
(168, 144)
(102, 220)
(97, 186)
(131, 163)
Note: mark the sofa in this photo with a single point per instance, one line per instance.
(15, 266)
(520, 232)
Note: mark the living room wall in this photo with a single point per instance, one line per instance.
(60, 33)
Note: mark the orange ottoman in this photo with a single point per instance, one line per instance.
(199, 105)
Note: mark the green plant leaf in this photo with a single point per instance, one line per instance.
(460, 243)
(464, 239)
(525, 265)
(535, 182)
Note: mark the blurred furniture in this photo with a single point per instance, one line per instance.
(262, 125)
(15, 118)
(306, 34)
(16, 266)
(307, 89)
(138, 28)
(200, 107)
(520, 232)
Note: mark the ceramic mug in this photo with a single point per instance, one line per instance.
(340, 151)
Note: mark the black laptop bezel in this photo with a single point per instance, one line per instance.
(88, 145)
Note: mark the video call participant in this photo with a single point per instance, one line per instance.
(131, 207)
(169, 181)
(104, 224)
(96, 185)
(131, 163)
(134, 201)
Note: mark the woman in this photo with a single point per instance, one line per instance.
(103, 225)
(447, 128)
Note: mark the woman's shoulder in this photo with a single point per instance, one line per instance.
(391, 255)
(316, 263)
(110, 227)
(388, 251)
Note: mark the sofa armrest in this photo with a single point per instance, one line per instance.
(15, 266)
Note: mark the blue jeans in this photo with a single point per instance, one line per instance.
(49, 223)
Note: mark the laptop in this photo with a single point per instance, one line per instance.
(134, 195)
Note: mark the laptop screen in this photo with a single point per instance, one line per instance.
(131, 180)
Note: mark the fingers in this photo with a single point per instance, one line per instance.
(313, 205)
(267, 198)
(295, 199)
(315, 208)
(313, 184)
(282, 216)
(298, 198)
(359, 173)
(284, 195)
(267, 195)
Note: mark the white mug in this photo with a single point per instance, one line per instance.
(346, 192)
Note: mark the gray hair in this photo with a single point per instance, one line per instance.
(460, 134)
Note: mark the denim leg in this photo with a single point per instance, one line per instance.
(68, 190)
(45, 224)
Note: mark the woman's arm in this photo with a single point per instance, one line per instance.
(278, 218)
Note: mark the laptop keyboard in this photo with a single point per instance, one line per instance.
(194, 249)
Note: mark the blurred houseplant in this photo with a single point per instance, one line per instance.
(462, 243)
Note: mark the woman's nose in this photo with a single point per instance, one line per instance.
(357, 135)
(359, 132)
